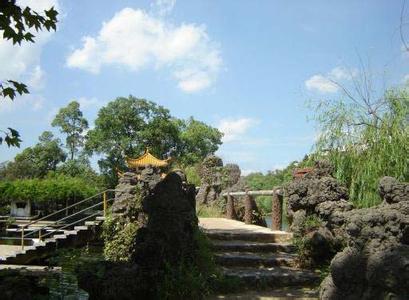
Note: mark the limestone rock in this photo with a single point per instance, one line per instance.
(375, 265)
(393, 191)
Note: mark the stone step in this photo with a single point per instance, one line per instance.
(273, 276)
(274, 237)
(250, 259)
(249, 246)
(293, 293)
(91, 223)
(78, 228)
(60, 236)
(70, 232)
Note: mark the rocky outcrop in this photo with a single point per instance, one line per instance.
(316, 209)
(393, 191)
(168, 237)
(375, 263)
(125, 193)
(317, 194)
(165, 242)
(211, 173)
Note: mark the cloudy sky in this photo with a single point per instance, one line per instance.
(246, 67)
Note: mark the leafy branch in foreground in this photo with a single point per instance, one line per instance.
(11, 137)
(17, 24)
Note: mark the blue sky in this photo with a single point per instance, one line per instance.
(246, 67)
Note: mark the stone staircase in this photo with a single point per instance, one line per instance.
(75, 236)
(258, 257)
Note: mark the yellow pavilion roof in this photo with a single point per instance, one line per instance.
(146, 159)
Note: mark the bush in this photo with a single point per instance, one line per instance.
(48, 194)
(119, 240)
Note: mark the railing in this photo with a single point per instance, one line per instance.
(250, 205)
(103, 203)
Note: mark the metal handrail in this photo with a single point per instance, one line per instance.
(67, 217)
(65, 208)
(73, 223)
(104, 202)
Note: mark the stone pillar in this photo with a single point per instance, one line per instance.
(248, 209)
(230, 212)
(276, 211)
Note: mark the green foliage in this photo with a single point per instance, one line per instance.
(197, 141)
(126, 126)
(276, 178)
(17, 24)
(209, 211)
(366, 146)
(11, 137)
(36, 161)
(192, 175)
(264, 204)
(192, 279)
(273, 179)
(47, 193)
(72, 124)
(302, 241)
(119, 240)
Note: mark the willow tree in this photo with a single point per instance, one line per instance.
(365, 137)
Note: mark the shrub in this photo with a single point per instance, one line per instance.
(47, 194)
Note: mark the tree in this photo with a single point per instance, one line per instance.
(17, 24)
(37, 161)
(73, 124)
(125, 127)
(197, 141)
(365, 140)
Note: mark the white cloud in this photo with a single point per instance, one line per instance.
(87, 103)
(136, 39)
(321, 84)
(325, 84)
(32, 101)
(405, 79)
(22, 62)
(235, 129)
(341, 73)
(163, 7)
(36, 80)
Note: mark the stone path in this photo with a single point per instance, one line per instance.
(258, 257)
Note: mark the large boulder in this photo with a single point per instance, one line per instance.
(168, 237)
(375, 265)
(317, 206)
(317, 194)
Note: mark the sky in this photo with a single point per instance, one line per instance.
(248, 68)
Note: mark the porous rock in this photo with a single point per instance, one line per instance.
(393, 191)
(375, 265)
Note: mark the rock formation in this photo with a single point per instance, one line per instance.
(165, 240)
(125, 193)
(315, 208)
(211, 173)
(375, 263)
(168, 237)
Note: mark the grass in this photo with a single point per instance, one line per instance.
(209, 211)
